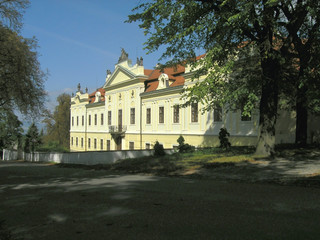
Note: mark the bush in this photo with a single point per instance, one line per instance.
(158, 149)
(52, 146)
(223, 137)
(184, 147)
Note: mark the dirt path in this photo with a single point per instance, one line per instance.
(40, 201)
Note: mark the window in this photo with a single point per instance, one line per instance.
(147, 145)
(109, 117)
(82, 120)
(95, 119)
(176, 114)
(77, 121)
(89, 120)
(77, 142)
(72, 121)
(148, 115)
(245, 118)
(101, 118)
(108, 145)
(72, 141)
(194, 112)
(132, 115)
(82, 142)
(95, 143)
(101, 144)
(131, 145)
(217, 114)
(89, 143)
(161, 114)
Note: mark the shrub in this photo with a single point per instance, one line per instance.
(158, 149)
(52, 146)
(184, 147)
(223, 137)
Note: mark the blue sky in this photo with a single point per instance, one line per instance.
(80, 39)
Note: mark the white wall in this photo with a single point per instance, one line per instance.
(87, 158)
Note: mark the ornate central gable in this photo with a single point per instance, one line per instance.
(120, 75)
(124, 71)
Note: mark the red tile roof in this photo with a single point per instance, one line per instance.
(151, 86)
(92, 96)
(174, 74)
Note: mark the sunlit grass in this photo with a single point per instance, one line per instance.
(184, 162)
(181, 163)
(234, 159)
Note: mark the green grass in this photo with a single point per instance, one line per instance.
(188, 163)
(177, 163)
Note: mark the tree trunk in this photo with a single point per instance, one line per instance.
(301, 101)
(268, 106)
(302, 117)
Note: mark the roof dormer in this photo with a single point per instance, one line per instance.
(163, 81)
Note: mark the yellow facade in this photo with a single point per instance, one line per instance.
(137, 107)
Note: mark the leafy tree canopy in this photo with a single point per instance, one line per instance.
(21, 79)
(224, 28)
(11, 12)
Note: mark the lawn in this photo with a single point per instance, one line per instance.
(233, 160)
(179, 163)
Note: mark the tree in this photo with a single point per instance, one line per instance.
(158, 149)
(11, 12)
(10, 129)
(224, 138)
(21, 79)
(184, 147)
(224, 29)
(58, 123)
(32, 139)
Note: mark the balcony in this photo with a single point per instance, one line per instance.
(117, 130)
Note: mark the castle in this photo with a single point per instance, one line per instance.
(137, 107)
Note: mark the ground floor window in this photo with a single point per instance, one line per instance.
(95, 144)
(82, 142)
(101, 144)
(245, 118)
(89, 143)
(108, 145)
(77, 142)
(131, 145)
(147, 145)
